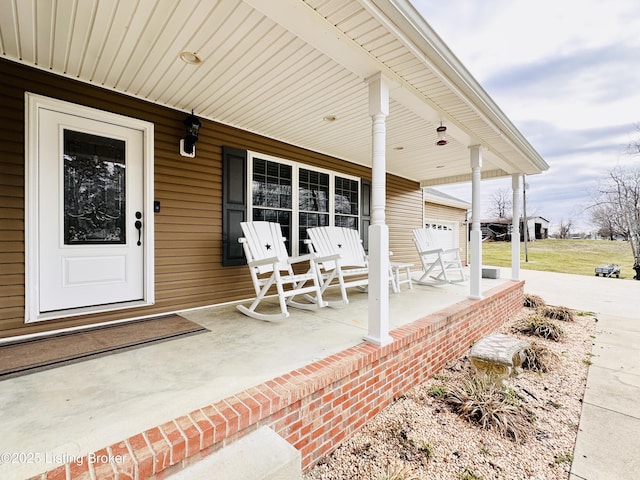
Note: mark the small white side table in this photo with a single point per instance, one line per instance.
(396, 269)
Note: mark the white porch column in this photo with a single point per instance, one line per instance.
(378, 333)
(515, 228)
(476, 233)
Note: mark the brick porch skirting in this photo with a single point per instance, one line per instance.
(314, 408)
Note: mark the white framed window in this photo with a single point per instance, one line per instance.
(298, 196)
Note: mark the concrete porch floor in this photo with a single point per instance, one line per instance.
(77, 409)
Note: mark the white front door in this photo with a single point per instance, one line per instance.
(91, 242)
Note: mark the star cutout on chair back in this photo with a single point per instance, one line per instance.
(268, 247)
(339, 245)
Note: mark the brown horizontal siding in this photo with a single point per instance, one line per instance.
(12, 276)
(188, 228)
(403, 214)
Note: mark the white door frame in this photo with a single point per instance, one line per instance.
(33, 104)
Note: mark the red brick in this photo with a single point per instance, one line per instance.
(142, 456)
(79, 470)
(262, 400)
(177, 442)
(280, 393)
(253, 406)
(191, 433)
(219, 422)
(124, 463)
(276, 401)
(101, 466)
(206, 428)
(243, 412)
(161, 449)
(231, 417)
(58, 473)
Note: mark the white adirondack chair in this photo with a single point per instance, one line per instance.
(436, 259)
(343, 259)
(270, 264)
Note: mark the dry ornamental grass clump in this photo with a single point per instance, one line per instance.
(561, 313)
(479, 400)
(539, 358)
(540, 327)
(533, 301)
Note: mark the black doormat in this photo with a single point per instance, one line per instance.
(43, 353)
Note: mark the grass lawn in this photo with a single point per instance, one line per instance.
(565, 256)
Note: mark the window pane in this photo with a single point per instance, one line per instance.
(348, 222)
(259, 166)
(313, 191)
(271, 184)
(346, 196)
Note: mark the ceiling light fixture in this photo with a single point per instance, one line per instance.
(442, 135)
(191, 58)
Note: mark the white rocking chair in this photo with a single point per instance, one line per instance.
(436, 259)
(341, 257)
(270, 264)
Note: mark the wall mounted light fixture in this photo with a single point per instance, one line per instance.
(442, 135)
(188, 143)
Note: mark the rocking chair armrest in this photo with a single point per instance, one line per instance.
(309, 245)
(450, 250)
(327, 258)
(263, 261)
(427, 252)
(301, 258)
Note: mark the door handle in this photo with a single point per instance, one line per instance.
(138, 225)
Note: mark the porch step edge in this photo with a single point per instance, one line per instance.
(260, 455)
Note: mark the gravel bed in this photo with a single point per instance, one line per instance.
(420, 437)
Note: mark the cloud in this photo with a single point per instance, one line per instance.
(599, 75)
(566, 74)
(555, 141)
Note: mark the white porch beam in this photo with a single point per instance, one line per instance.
(378, 330)
(515, 228)
(476, 233)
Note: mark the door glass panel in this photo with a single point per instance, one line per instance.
(94, 189)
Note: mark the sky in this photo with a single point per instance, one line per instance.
(567, 74)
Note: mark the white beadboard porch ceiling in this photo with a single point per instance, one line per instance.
(278, 68)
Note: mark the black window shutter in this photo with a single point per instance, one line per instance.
(365, 215)
(234, 204)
